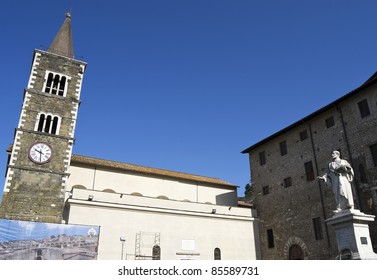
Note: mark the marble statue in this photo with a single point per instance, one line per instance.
(339, 177)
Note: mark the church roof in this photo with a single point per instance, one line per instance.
(62, 43)
(147, 170)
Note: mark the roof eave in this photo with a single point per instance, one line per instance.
(372, 80)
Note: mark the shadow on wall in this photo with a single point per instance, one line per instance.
(227, 199)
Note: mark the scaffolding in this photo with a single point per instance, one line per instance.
(147, 246)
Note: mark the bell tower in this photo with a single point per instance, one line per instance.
(40, 154)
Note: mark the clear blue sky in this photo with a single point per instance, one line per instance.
(186, 85)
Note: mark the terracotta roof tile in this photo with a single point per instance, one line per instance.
(147, 170)
(245, 204)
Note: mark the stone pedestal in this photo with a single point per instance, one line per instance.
(352, 234)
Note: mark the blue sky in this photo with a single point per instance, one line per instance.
(186, 85)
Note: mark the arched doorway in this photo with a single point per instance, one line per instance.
(295, 253)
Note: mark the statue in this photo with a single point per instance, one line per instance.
(339, 178)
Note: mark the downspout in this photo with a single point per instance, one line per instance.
(319, 187)
(94, 177)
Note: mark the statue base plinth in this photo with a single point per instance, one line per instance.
(352, 234)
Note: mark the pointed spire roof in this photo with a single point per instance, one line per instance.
(62, 43)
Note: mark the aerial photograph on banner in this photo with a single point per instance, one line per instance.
(21, 240)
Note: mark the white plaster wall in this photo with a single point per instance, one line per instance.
(230, 229)
(97, 179)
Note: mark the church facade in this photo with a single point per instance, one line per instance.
(292, 204)
(181, 216)
(142, 212)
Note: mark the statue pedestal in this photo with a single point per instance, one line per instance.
(352, 234)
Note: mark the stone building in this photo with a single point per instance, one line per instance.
(292, 204)
(142, 212)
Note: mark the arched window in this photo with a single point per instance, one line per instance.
(217, 254)
(156, 252)
(47, 123)
(62, 86)
(79, 187)
(41, 122)
(55, 122)
(50, 77)
(108, 190)
(56, 84)
(136, 194)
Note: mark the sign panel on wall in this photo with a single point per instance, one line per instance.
(21, 240)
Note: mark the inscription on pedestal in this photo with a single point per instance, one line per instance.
(345, 238)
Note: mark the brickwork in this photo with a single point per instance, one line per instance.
(33, 191)
(291, 212)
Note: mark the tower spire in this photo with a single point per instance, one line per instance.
(62, 43)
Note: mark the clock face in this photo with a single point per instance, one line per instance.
(40, 153)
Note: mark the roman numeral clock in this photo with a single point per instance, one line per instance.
(40, 154)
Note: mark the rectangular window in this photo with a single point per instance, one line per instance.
(283, 148)
(373, 150)
(330, 122)
(270, 238)
(266, 190)
(364, 108)
(317, 228)
(262, 158)
(303, 135)
(287, 182)
(309, 171)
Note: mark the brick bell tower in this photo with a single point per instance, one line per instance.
(39, 157)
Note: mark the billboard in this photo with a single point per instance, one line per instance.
(20, 240)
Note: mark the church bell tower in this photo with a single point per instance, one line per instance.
(40, 154)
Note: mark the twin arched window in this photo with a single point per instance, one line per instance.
(56, 84)
(48, 123)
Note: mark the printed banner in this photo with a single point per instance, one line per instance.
(21, 240)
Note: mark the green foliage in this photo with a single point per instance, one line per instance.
(248, 190)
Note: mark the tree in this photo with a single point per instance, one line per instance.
(248, 191)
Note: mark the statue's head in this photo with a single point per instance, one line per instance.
(335, 154)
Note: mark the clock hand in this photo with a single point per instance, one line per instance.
(40, 154)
